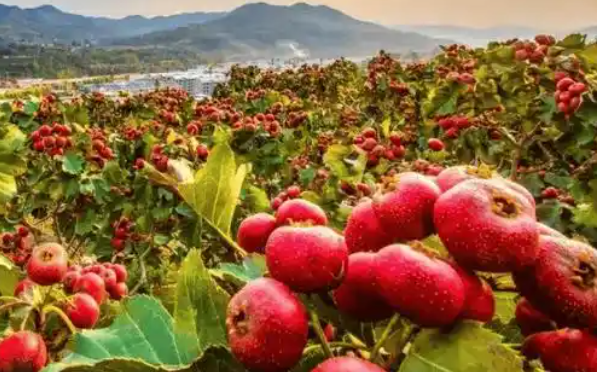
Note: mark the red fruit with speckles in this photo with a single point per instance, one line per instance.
(24, 286)
(405, 210)
(254, 231)
(426, 290)
(93, 285)
(307, 259)
(364, 232)
(369, 144)
(329, 332)
(561, 284)
(358, 295)
(548, 231)
(118, 291)
(300, 211)
(452, 176)
(70, 280)
(48, 264)
(487, 226)
(531, 320)
(293, 192)
(479, 303)
(435, 144)
(83, 311)
(121, 273)
(267, 326)
(565, 350)
(23, 351)
(347, 364)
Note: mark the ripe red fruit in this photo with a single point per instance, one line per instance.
(329, 332)
(369, 133)
(564, 84)
(23, 351)
(121, 273)
(575, 103)
(118, 244)
(487, 226)
(561, 283)
(254, 231)
(109, 277)
(202, 152)
(358, 140)
(396, 139)
(399, 151)
(23, 286)
(192, 129)
(521, 55)
(38, 146)
(83, 311)
(358, 295)
(276, 203)
(416, 285)
(479, 303)
(61, 142)
(93, 285)
(435, 144)
(405, 211)
(559, 75)
(97, 145)
(270, 117)
(48, 264)
(577, 89)
(106, 153)
(300, 211)
(369, 144)
(307, 259)
(550, 193)
(49, 142)
(446, 123)
(118, 291)
(564, 97)
(267, 326)
(293, 192)
(566, 350)
(364, 232)
(45, 130)
(23, 231)
(531, 320)
(563, 107)
(347, 364)
(70, 280)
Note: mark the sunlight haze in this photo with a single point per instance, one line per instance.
(543, 14)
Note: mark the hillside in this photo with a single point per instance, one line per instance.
(262, 30)
(469, 35)
(48, 23)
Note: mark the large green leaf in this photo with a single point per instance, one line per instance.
(9, 276)
(11, 164)
(467, 348)
(252, 267)
(200, 309)
(215, 190)
(344, 165)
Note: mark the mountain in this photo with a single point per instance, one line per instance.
(48, 24)
(473, 36)
(261, 30)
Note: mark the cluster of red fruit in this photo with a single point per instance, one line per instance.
(103, 153)
(295, 119)
(568, 93)
(368, 141)
(452, 125)
(253, 95)
(169, 117)
(534, 52)
(158, 158)
(194, 127)
(361, 189)
(132, 133)
(267, 121)
(291, 192)
(122, 232)
(52, 139)
(16, 246)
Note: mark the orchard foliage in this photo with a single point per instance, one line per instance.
(181, 194)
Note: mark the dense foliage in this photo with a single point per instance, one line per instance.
(159, 183)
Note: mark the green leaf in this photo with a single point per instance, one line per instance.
(113, 173)
(257, 199)
(252, 267)
(344, 165)
(84, 225)
(200, 309)
(11, 163)
(505, 305)
(385, 128)
(468, 347)
(73, 163)
(30, 108)
(214, 192)
(9, 276)
(574, 41)
(141, 336)
(585, 214)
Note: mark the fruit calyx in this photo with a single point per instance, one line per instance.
(240, 323)
(504, 205)
(422, 248)
(482, 171)
(586, 273)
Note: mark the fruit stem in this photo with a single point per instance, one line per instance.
(344, 345)
(320, 334)
(12, 304)
(53, 309)
(384, 336)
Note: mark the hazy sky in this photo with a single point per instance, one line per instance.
(548, 14)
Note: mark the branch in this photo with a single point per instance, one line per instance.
(384, 336)
(320, 334)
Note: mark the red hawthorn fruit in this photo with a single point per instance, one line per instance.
(563, 107)
(548, 231)
(561, 282)
(564, 97)
(300, 211)
(276, 203)
(118, 291)
(479, 303)
(565, 350)
(121, 273)
(369, 144)
(93, 285)
(462, 122)
(49, 142)
(347, 364)
(118, 244)
(293, 192)
(329, 332)
(358, 140)
(435, 144)
(452, 133)
(97, 145)
(363, 232)
(575, 103)
(267, 326)
(23, 286)
(564, 84)
(107, 153)
(487, 226)
(270, 117)
(202, 152)
(22, 231)
(531, 320)
(405, 210)
(396, 139)
(389, 154)
(369, 133)
(577, 89)
(254, 231)
(399, 151)
(7, 238)
(446, 123)
(378, 151)
(83, 311)
(45, 130)
(61, 142)
(23, 351)
(372, 160)
(109, 277)
(358, 295)
(70, 280)
(48, 264)
(307, 259)
(416, 285)
(559, 75)
(39, 146)
(550, 193)
(521, 55)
